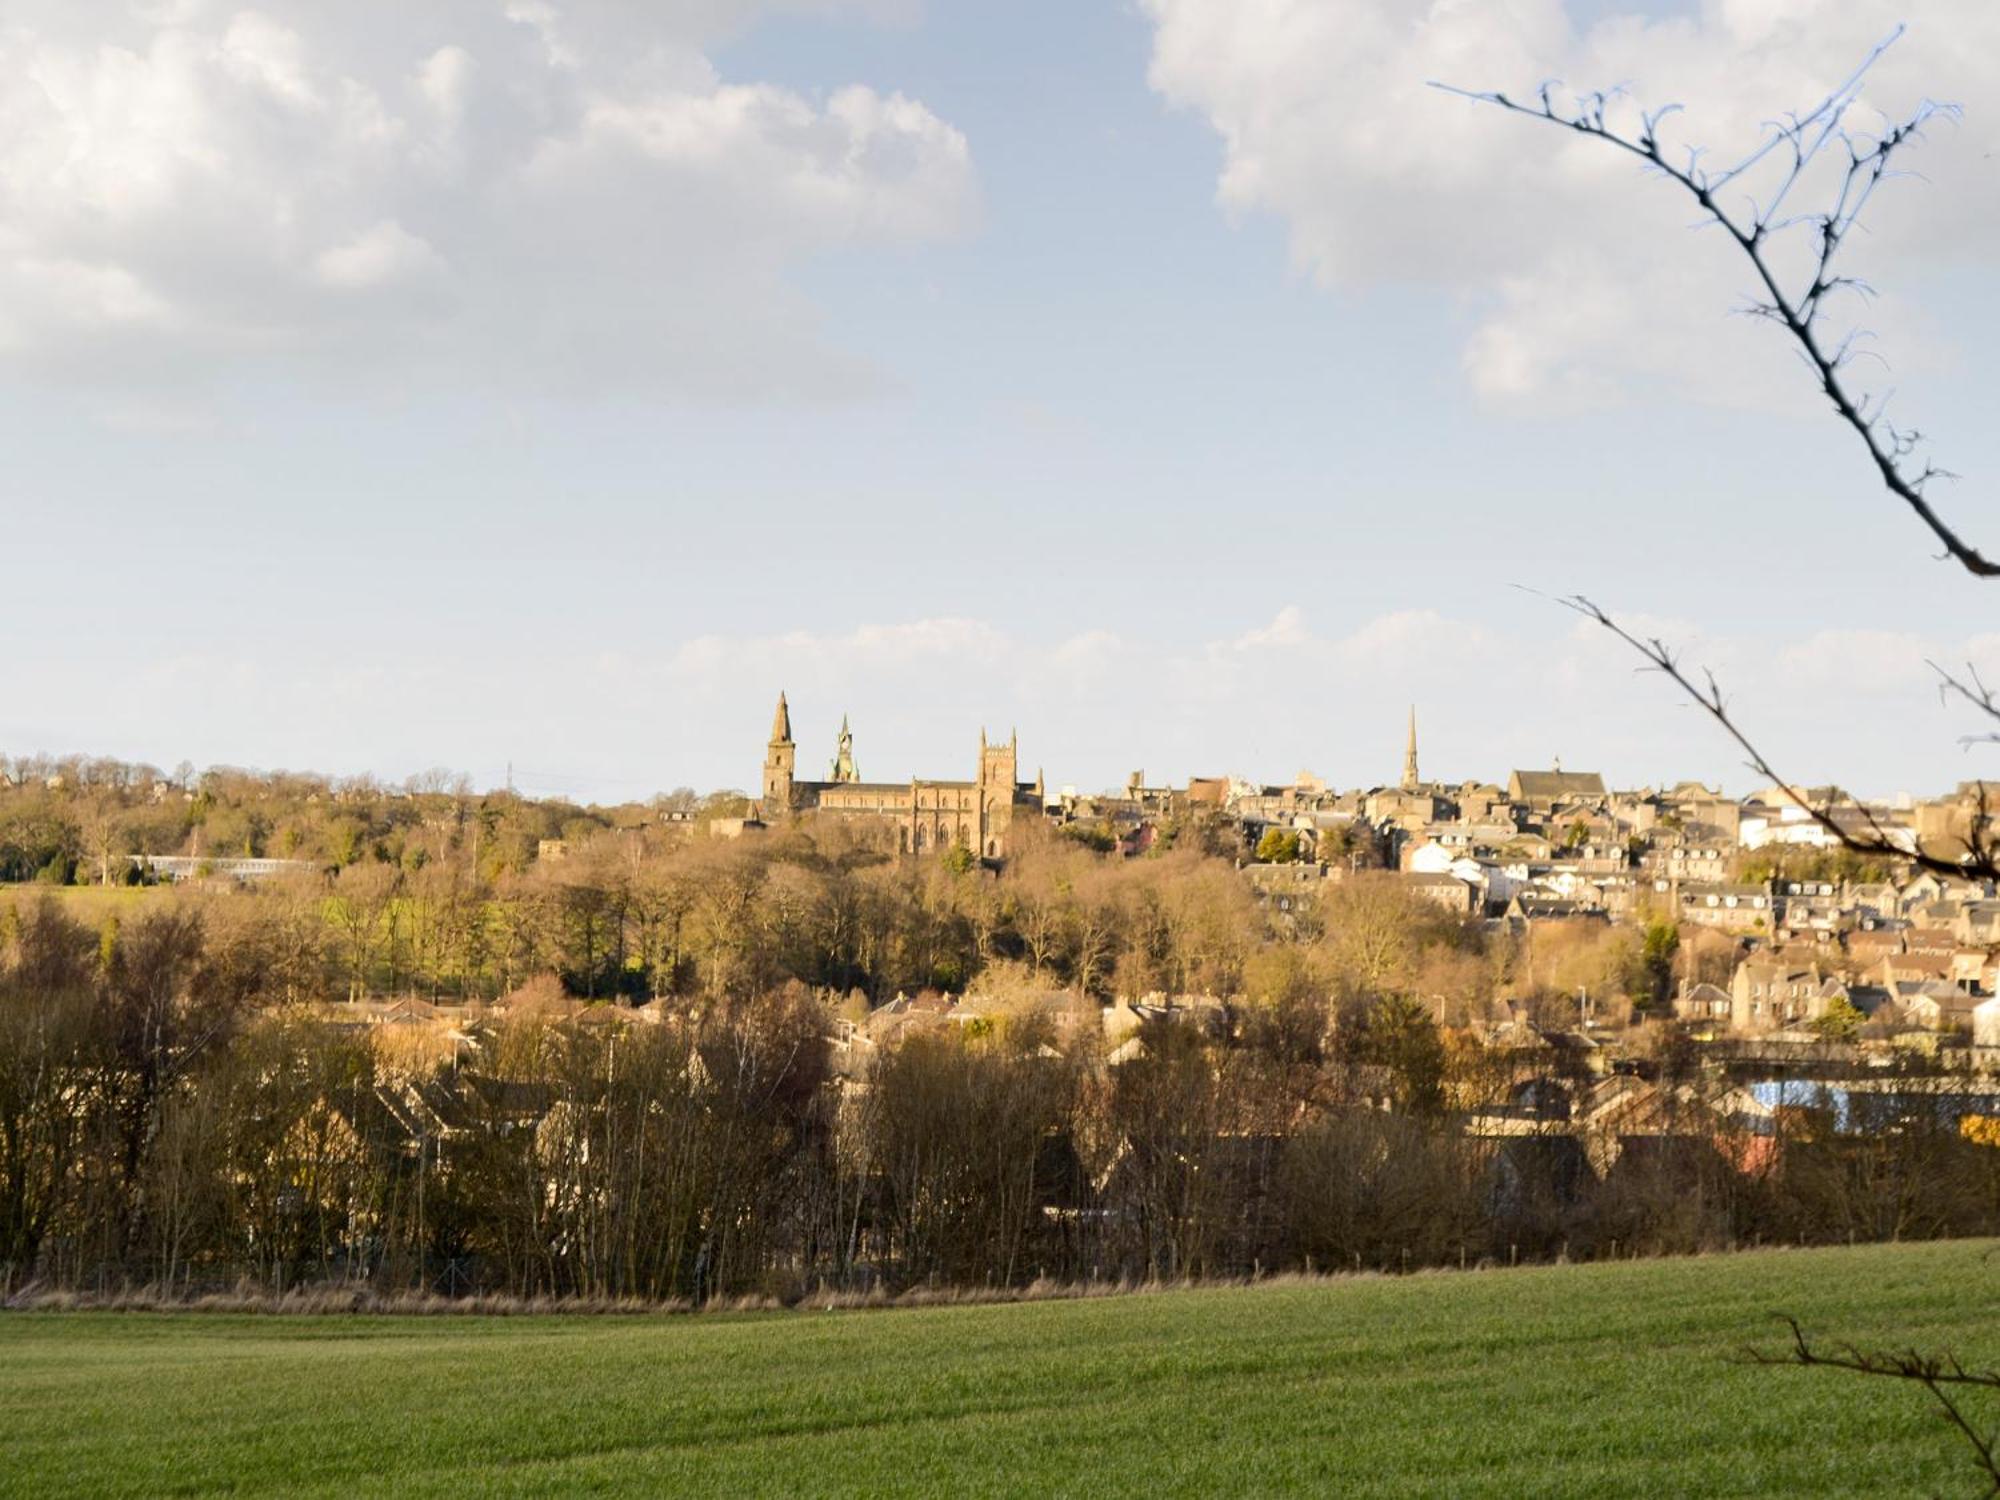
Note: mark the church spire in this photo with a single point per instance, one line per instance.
(781, 723)
(1411, 779)
(844, 768)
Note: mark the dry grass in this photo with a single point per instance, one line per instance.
(354, 1300)
(359, 1300)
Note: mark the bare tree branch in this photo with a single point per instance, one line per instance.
(1982, 857)
(1973, 689)
(1797, 142)
(1936, 1373)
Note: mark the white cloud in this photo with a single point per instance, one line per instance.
(1578, 274)
(1400, 639)
(801, 655)
(1861, 661)
(383, 254)
(258, 51)
(1287, 628)
(592, 202)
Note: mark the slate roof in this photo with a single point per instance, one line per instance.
(1550, 785)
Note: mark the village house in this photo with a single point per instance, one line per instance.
(1936, 1005)
(1703, 1004)
(1545, 791)
(1459, 897)
(1770, 992)
(1730, 907)
(1690, 806)
(1289, 890)
(1702, 858)
(1810, 906)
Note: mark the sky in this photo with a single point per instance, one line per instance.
(1181, 384)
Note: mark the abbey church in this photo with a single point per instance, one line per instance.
(975, 815)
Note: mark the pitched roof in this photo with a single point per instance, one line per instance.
(1553, 784)
(1867, 998)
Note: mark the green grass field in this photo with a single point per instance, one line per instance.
(1581, 1380)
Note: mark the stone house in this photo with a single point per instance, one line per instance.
(1770, 992)
(1703, 1004)
(1459, 897)
(1733, 907)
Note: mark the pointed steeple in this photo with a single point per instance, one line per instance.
(1411, 780)
(780, 758)
(844, 768)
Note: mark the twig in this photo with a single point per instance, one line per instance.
(1982, 856)
(1804, 139)
(1973, 690)
(1936, 1373)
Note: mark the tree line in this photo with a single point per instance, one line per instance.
(94, 820)
(167, 1119)
(631, 914)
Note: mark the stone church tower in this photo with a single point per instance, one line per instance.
(998, 783)
(1411, 780)
(780, 760)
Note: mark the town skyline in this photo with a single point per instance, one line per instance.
(842, 741)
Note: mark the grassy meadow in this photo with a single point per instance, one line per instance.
(1574, 1380)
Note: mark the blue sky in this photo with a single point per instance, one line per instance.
(1180, 383)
